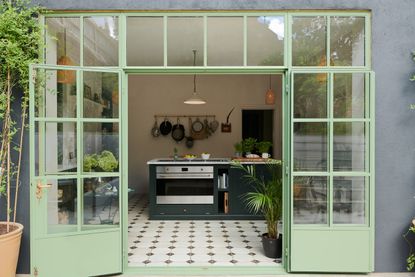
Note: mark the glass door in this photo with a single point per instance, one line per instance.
(75, 167)
(332, 171)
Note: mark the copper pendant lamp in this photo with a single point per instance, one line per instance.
(65, 76)
(270, 95)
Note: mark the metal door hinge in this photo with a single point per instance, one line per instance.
(286, 170)
(287, 88)
(286, 252)
(35, 271)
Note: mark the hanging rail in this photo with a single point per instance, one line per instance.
(178, 115)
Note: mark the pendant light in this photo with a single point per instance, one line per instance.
(195, 98)
(270, 96)
(65, 76)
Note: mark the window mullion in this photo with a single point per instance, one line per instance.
(330, 145)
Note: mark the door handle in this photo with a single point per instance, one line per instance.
(39, 188)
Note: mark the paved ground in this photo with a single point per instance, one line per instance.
(390, 274)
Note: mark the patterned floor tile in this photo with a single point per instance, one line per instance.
(192, 242)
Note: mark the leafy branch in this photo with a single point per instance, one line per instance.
(20, 41)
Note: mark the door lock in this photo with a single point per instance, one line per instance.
(39, 188)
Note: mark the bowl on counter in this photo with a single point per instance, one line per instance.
(205, 156)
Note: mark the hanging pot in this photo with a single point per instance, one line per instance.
(189, 138)
(214, 125)
(165, 127)
(197, 126)
(177, 132)
(155, 131)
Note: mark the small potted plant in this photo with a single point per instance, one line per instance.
(238, 149)
(263, 148)
(266, 199)
(248, 145)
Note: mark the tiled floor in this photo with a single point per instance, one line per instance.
(193, 242)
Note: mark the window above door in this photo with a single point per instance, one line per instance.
(221, 39)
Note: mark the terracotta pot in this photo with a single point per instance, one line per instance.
(9, 253)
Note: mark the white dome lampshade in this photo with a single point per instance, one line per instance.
(195, 98)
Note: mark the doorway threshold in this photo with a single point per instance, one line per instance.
(248, 270)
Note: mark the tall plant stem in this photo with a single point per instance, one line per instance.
(23, 119)
(8, 150)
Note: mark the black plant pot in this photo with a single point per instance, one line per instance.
(272, 247)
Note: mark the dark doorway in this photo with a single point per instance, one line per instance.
(258, 124)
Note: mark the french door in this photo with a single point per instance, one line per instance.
(75, 170)
(332, 171)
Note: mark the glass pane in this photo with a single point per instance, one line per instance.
(101, 97)
(349, 95)
(145, 41)
(184, 34)
(225, 39)
(310, 95)
(60, 148)
(347, 41)
(265, 40)
(62, 40)
(101, 41)
(349, 200)
(310, 200)
(349, 146)
(101, 202)
(310, 146)
(55, 93)
(101, 147)
(61, 206)
(309, 41)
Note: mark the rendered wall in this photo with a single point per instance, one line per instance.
(393, 28)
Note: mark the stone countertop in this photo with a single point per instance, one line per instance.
(198, 161)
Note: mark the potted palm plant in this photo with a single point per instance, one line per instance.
(266, 199)
(20, 38)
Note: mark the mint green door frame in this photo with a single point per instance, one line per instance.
(219, 270)
(335, 247)
(287, 69)
(78, 249)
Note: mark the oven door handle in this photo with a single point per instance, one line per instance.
(184, 176)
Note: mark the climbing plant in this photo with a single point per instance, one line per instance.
(20, 41)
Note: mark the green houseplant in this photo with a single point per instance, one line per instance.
(20, 40)
(105, 162)
(248, 145)
(263, 148)
(266, 199)
(238, 149)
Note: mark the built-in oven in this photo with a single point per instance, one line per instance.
(176, 184)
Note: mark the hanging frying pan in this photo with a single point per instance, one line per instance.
(155, 132)
(165, 127)
(177, 132)
(189, 138)
(197, 126)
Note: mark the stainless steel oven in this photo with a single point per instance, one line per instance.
(177, 184)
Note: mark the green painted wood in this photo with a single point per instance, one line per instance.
(330, 250)
(80, 255)
(62, 249)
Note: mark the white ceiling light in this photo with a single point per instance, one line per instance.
(195, 98)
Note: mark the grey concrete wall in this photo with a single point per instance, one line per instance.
(393, 40)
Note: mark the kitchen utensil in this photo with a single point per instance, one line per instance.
(165, 127)
(189, 138)
(206, 127)
(213, 125)
(177, 132)
(197, 126)
(155, 131)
